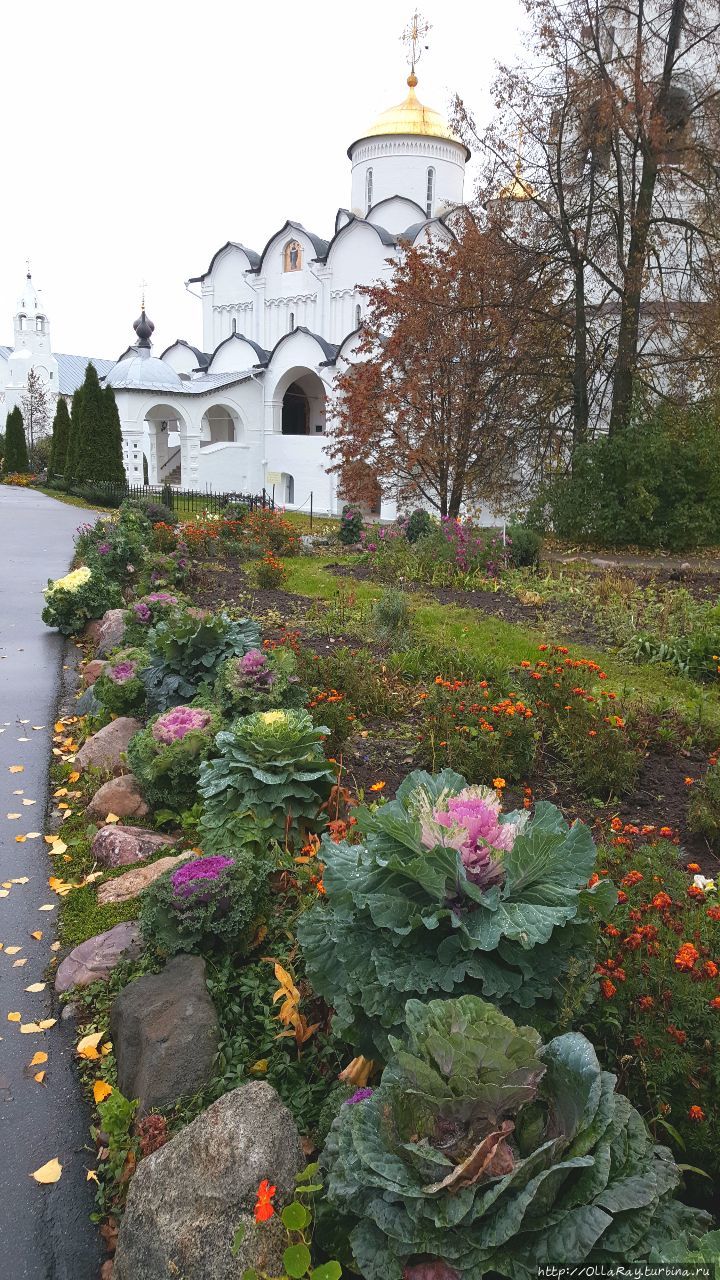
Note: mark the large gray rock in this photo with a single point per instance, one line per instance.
(187, 1200)
(130, 885)
(121, 796)
(122, 846)
(106, 748)
(95, 959)
(165, 1034)
(111, 632)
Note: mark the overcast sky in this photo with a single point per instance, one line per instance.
(139, 137)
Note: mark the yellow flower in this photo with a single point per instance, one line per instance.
(499, 783)
(377, 786)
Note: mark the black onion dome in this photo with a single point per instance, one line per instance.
(144, 329)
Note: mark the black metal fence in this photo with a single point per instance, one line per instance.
(183, 500)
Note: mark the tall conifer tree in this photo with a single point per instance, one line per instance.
(16, 454)
(60, 439)
(90, 429)
(73, 437)
(111, 458)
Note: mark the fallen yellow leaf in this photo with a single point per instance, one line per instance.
(34, 835)
(59, 727)
(37, 934)
(260, 1067)
(107, 1048)
(7, 884)
(59, 847)
(51, 839)
(88, 1046)
(73, 777)
(39, 1076)
(47, 1023)
(14, 1017)
(49, 906)
(20, 839)
(36, 986)
(101, 1091)
(28, 1028)
(21, 880)
(11, 817)
(4, 893)
(49, 1172)
(12, 951)
(18, 964)
(29, 801)
(61, 791)
(17, 768)
(38, 1058)
(112, 817)
(54, 946)
(91, 1176)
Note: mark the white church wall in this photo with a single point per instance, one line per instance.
(234, 356)
(303, 458)
(180, 358)
(396, 214)
(400, 166)
(227, 468)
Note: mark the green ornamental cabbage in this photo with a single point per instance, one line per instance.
(446, 895)
(186, 651)
(271, 764)
(483, 1151)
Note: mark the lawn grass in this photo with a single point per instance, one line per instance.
(466, 631)
(71, 500)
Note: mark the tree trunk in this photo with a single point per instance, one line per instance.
(581, 405)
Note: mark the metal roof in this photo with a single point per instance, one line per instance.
(71, 371)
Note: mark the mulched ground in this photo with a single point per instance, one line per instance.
(385, 750)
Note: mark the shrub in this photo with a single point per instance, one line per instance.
(524, 545)
(72, 601)
(186, 651)
(704, 808)
(479, 733)
(420, 523)
(166, 756)
(258, 682)
(346, 684)
(448, 895)
(270, 763)
(209, 904)
(485, 1152)
(391, 617)
(156, 511)
(172, 570)
(351, 525)
(654, 484)
(116, 548)
(237, 511)
(119, 688)
(451, 553)
(271, 572)
(659, 968)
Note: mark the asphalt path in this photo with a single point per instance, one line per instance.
(45, 1232)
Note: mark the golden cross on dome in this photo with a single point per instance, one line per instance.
(413, 37)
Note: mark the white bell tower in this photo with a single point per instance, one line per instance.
(32, 347)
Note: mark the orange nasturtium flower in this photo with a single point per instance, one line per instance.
(377, 786)
(263, 1207)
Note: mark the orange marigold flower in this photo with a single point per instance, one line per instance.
(710, 969)
(594, 879)
(676, 1034)
(616, 824)
(666, 832)
(646, 1002)
(696, 1113)
(686, 956)
(608, 988)
(499, 783)
(715, 1002)
(713, 913)
(696, 892)
(689, 782)
(622, 896)
(612, 931)
(632, 877)
(263, 1207)
(693, 866)
(661, 901)
(377, 786)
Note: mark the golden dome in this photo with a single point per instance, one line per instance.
(411, 117)
(518, 189)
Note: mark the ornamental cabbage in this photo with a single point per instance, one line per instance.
(484, 1151)
(259, 682)
(270, 765)
(166, 756)
(186, 651)
(71, 582)
(209, 904)
(448, 895)
(72, 601)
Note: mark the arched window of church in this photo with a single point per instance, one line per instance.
(39, 325)
(358, 316)
(430, 195)
(234, 326)
(292, 321)
(292, 256)
(368, 190)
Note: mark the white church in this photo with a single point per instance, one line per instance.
(253, 408)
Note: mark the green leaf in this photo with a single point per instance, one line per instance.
(327, 1271)
(295, 1216)
(307, 1173)
(296, 1261)
(312, 1186)
(250, 1274)
(237, 1240)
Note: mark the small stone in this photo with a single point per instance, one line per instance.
(165, 1034)
(132, 883)
(121, 796)
(69, 1012)
(92, 631)
(111, 633)
(106, 749)
(92, 670)
(187, 1200)
(121, 846)
(95, 959)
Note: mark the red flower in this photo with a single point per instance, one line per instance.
(661, 901)
(645, 1003)
(632, 877)
(710, 969)
(608, 988)
(696, 1113)
(263, 1207)
(715, 1002)
(686, 957)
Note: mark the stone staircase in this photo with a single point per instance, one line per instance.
(173, 477)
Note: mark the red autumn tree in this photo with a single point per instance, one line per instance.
(452, 397)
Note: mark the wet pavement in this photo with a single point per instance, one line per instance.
(45, 1232)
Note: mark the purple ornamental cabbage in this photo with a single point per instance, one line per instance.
(122, 672)
(142, 612)
(192, 875)
(173, 725)
(253, 670)
(469, 822)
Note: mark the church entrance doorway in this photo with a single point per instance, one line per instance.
(295, 411)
